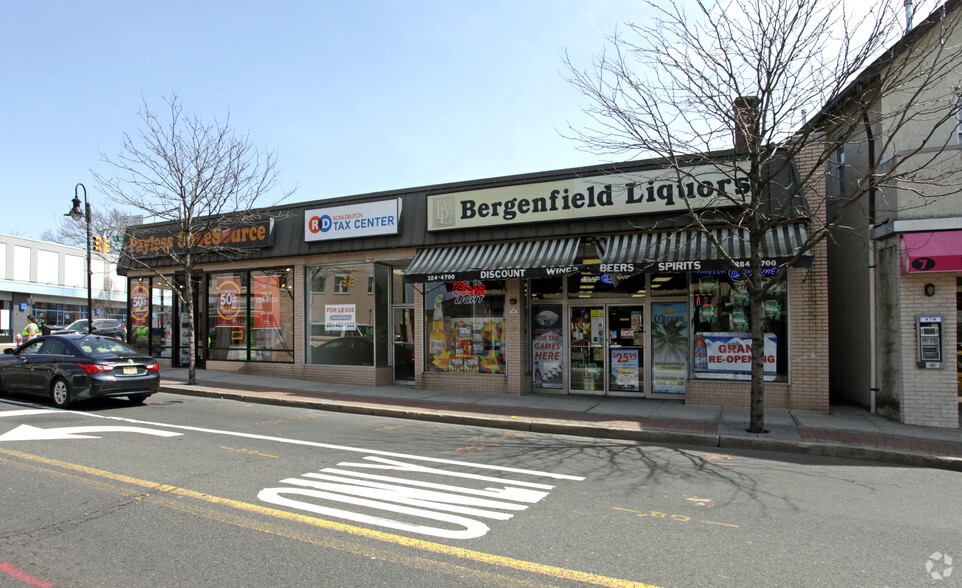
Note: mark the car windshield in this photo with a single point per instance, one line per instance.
(80, 325)
(102, 346)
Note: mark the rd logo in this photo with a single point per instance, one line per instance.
(320, 224)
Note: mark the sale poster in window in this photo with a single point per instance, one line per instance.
(230, 301)
(266, 303)
(625, 369)
(548, 346)
(729, 356)
(669, 347)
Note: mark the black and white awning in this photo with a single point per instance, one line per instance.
(693, 250)
(498, 261)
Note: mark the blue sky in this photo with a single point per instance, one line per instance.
(354, 97)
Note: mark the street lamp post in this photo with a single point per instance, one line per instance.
(76, 214)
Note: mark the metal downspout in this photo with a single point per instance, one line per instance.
(873, 375)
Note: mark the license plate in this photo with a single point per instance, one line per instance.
(130, 369)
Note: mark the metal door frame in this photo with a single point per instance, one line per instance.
(645, 305)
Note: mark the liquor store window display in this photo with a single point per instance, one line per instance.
(250, 316)
(722, 338)
(464, 327)
(346, 314)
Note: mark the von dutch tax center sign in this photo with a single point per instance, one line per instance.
(357, 220)
(661, 190)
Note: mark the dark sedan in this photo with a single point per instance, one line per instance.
(68, 368)
(106, 327)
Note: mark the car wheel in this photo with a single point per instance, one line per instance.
(60, 393)
(137, 398)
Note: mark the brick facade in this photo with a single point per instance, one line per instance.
(807, 388)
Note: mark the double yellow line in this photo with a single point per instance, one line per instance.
(164, 491)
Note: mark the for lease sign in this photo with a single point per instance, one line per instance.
(340, 316)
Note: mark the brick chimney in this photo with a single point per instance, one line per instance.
(746, 119)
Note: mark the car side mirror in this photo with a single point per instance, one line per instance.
(8, 351)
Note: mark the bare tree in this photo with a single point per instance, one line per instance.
(748, 71)
(110, 223)
(199, 181)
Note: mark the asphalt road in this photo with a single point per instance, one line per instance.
(191, 491)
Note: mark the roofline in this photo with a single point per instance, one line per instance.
(938, 15)
(482, 183)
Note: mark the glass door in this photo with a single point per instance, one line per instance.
(626, 349)
(587, 344)
(403, 337)
(607, 349)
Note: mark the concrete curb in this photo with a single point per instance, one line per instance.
(600, 430)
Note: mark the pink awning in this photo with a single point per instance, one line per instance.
(936, 251)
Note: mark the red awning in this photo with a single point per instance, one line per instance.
(936, 251)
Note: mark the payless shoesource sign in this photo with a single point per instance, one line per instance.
(616, 195)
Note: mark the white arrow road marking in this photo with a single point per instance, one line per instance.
(28, 433)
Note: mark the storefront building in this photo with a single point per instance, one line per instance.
(580, 281)
(49, 281)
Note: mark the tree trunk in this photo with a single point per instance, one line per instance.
(189, 305)
(756, 422)
(191, 334)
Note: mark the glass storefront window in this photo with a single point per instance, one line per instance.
(722, 340)
(669, 284)
(138, 332)
(341, 316)
(272, 315)
(548, 288)
(56, 315)
(161, 321)
(590, 285)
(227, 326)
(401, 292)
(464, 327)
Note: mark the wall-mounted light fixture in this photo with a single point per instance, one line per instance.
(930, 289)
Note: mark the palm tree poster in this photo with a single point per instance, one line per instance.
(669, 347)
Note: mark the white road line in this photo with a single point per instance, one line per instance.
(343, 448)
(28, 412)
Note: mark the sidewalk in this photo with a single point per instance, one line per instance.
(846, 432)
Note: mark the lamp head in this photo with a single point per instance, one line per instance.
(76, 212)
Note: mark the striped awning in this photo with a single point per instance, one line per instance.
(498, 261)
(693, 250)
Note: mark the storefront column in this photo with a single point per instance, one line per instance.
(518, 372)
(419, 336)
(928, 396)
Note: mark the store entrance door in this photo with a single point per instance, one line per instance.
(403, 337)
(607, 349)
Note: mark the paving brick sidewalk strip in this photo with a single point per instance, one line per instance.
(849, 432)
